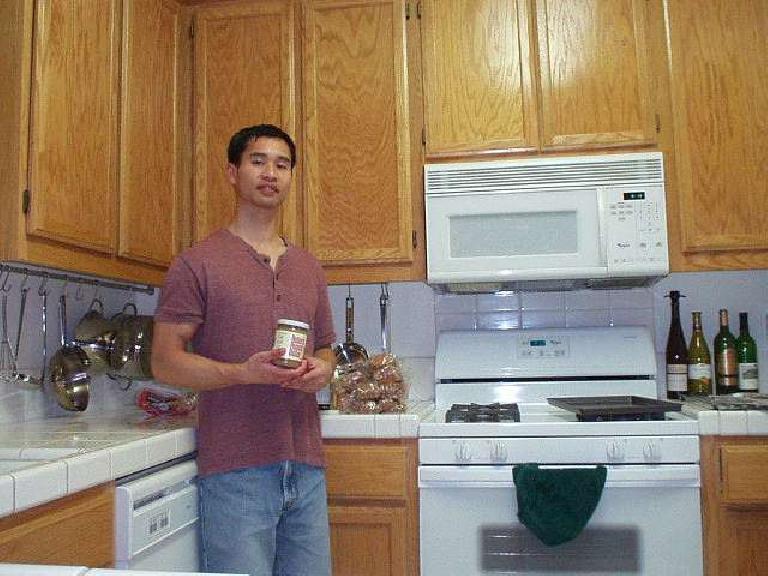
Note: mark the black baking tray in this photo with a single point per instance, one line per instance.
(608, 408)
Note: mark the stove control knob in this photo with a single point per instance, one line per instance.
(463, 452)
(616, 451)
(652, 452)
(498, 452)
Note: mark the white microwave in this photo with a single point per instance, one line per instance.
(567, 222)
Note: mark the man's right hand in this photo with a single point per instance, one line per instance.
(259, 369)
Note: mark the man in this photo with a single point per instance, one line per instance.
(262, 486)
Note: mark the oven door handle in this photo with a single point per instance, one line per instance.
(625, 476)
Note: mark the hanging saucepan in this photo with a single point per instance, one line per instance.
(130, 353)
(95, 334)
(69, 376)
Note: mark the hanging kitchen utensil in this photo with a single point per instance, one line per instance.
(7, 356)
(95, 335)
(131, 350)
(19, 376)
(384, 312)
(69, 377)
(349, 351)
(28, 378)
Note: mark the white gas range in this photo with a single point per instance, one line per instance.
(494, 396)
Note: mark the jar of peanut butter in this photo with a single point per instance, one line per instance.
(291, 336)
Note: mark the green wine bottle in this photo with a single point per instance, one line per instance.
(699, 361)
(726, 364)
(746, 354)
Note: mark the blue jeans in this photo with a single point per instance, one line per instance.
(269, 520)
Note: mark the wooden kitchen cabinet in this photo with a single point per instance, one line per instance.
(77, 530)
(364, 204)
(91, 117)
(735, 504)
(530, 75)
(373, 507)
(245, 56)
(719, 77)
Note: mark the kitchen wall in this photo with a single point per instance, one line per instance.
(417, 315)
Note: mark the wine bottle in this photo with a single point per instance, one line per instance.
(746, 354)
(726, 365)
(699, 361)
(677, 352)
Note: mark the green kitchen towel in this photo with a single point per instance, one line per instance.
(556, 503)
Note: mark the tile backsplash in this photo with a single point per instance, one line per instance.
(416, 316)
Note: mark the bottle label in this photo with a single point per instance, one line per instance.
(677, 377)
(748, 378)
(727, 363)
(699, 371)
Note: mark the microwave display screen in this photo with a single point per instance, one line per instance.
(634, 195)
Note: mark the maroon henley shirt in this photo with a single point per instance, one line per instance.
(230, 292)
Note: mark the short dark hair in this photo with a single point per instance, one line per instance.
(239, 141)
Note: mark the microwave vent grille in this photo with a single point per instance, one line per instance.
(639, 169)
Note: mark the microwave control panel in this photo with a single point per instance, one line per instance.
(635, 224)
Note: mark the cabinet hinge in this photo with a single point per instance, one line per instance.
(407, 10)
(191, 29)
(26, 199)
(414, 239)
(658, 124)
(424, 136)
(418, 9)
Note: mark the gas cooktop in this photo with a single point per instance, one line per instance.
(495, 412)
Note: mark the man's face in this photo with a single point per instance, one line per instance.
(263, 177)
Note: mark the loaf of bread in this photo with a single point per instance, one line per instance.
(375, 386)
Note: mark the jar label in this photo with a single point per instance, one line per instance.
(292, 342)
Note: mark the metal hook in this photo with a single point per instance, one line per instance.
(97, 286)
(42, 290)
(79, 292)
(23, 285)
(6, 287)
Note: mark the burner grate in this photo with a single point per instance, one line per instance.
(483, 413)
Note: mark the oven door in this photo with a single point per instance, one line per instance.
(647, 522)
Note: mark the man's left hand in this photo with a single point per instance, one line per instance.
(317, 376)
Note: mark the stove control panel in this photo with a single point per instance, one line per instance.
(618, 450)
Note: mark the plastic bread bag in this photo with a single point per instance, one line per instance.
(375, 386)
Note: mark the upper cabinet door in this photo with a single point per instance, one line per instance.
(357, 133)
(478, 93)
(73, 153)
(719, 79)
(593, 72)
(244, 74)
(149, 150)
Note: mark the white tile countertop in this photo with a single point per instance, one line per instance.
(42, 460)
(727, 422)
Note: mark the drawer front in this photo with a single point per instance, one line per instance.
(366, 471)
(744, 473)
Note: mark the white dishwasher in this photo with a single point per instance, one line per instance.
(157, 524)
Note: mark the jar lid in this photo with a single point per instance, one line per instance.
(296, 323)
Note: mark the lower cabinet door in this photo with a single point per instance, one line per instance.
(368, 540)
